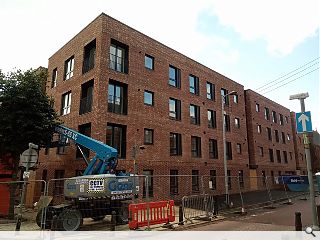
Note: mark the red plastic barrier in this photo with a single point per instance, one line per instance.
(159, 212)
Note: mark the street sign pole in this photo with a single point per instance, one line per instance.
(309, 169)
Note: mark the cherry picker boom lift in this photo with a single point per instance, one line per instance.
(94, 195)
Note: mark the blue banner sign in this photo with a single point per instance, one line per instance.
(293, 180)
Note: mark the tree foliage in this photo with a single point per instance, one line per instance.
(26, 112)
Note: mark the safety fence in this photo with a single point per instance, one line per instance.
(45, 204)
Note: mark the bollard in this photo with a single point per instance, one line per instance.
(180, 215)
(113, 221)
(298, 223)
(18, 225)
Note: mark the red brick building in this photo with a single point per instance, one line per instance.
(124, 88)
(271, 145)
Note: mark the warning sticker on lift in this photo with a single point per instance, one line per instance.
(96, 185)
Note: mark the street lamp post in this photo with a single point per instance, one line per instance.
(302, 97)
(225, 166)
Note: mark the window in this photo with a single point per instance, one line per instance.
(272, 177)
(210, 91)
(175, 144)
(149, 62)
(257, 107)
(194, 114)
(148, 98)
(229, 179)
(213, 180)
(117, 97)
(54, 78)
(63, 143)
(237, 122)
(116, 137)
(281, 119)
(278, 156)
(174, 182)
(66, 103)
(86, 97)
(238, 148)
(290, 154)
(269, 133)
(148, 136)
(68, 68)
(301, 157)
(260, 151)
(271, 155)
(235, 98)
(286, 118)
(84, 129)
(118, 56)
(274, 117)
(266, 113)
(283, 137)
(227, 123)
(241, 179)
(276, 133)
(89, 56)
(213, 149)
(174, 76)
(288, 137)
(285, 157)
(225, 98)
(174, 109)
(259, 128)
(58, 184)
(149, 187)
(194, 84)
(228, 150)
(195, 180)
(212, 119)
(195, 147)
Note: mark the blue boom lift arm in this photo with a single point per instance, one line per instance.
(106, 158)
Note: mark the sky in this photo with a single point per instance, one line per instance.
(269, 46)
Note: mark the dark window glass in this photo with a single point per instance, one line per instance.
(266, 113)
(89, 56)
(68, 68)
(274, 117)
(257, 107)
(276, 133)
(174, 76)
(281, 119)
(195, 147)
(195, 180)
(229, 150)
(210, 91)
(194, 114)
(260, 151)
(285, 157)
(54, 78)
(118, 56)
(194, 84)
(283, 137)
(225, 98)
(271, 155)
(86, 97)
(175, 144)
(148, 136)
(149, 62)
(174, 182)
(269, 133)
(212, 122)
(213, 180)
(278, 156)
(117, 98)
(227, 123)
(213, 149)
(116, 138)
(175, 109)
(148, 187)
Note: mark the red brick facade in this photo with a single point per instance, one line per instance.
(107, 31)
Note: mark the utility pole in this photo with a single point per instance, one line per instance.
(302, 97)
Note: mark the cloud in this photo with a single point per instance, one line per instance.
(282, 24)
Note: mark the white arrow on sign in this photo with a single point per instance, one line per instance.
(303, 119)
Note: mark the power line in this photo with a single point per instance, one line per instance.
(287, 74)
(291, 81)
(265, 88)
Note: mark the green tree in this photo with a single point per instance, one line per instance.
(26, 114)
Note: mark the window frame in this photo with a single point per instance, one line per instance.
(66, 103)
(177, 109)
(146, 62)
(212, 122)
(210, 91)
(176, 81)
(69, 68)
(196, 119)
(146, 136)
(152, 98)
(176, 147)
(195, 147)
(193, 84)
(213, 149)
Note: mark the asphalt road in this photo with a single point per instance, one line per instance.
(282, 218)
